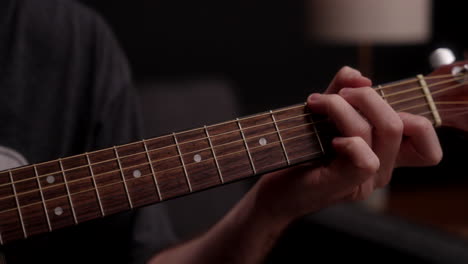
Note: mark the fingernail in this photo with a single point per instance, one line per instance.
(313, 97)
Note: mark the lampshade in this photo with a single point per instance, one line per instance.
(369, 21)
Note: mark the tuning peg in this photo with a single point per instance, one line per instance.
(440, 57)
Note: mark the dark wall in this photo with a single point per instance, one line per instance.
(258, 44)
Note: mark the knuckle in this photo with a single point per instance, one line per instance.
(362, 92)
(335, 99)
(362, 192)
(369, 166)
(368, 91)
(394, 127)
(423, 124)
(355, 141)
(436, 157)
(367, 163)
(364, 131)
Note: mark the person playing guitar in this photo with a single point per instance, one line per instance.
(374, 138)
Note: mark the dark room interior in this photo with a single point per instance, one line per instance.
(197, 63)
(252, 56)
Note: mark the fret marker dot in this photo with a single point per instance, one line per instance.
(58, 211)
(50, 179)
(137, 173)
(262, 141)
(197, 158)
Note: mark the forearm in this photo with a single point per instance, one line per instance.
(245, 235)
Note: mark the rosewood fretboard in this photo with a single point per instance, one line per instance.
(47, 196)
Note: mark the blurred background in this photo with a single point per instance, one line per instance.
(200, 62)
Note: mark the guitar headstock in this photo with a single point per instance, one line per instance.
(449, 88)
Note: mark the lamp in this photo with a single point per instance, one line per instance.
(369, 22)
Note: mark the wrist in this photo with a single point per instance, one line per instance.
(266, 210)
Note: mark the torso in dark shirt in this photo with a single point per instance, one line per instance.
(65, 89)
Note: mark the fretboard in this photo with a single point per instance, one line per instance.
(47, 196)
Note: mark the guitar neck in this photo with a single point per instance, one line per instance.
(47, 196)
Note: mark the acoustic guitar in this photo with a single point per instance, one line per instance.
(47, 196)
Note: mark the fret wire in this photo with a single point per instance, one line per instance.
(232, 142)
(182, 161)
(19, 207)
(301, 105)
(100, 162)
(430, 101)
(246, 147)
(214, 155)
(379, 88)
(427, 113)
(277, 111)
(299, 136)
(123, 177)
(68, 191)
(152, 170)
(95, 185)
(317, 135)
(42, 197)
(280, 138)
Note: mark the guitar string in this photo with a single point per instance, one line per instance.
(133, 166)
(147, 163)
(150, 174)
(437, 103)
(161, 148)
(421, 113)
(241, 119)
(155, 161)
(419, 87)
(191, 141)
(447, 110)
(452, 102)
(231, 121)
(184, 154)
(423, 96)
(390, 85)
(259, 115)
(447, 88)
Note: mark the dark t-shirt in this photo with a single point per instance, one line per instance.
(65, 89)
